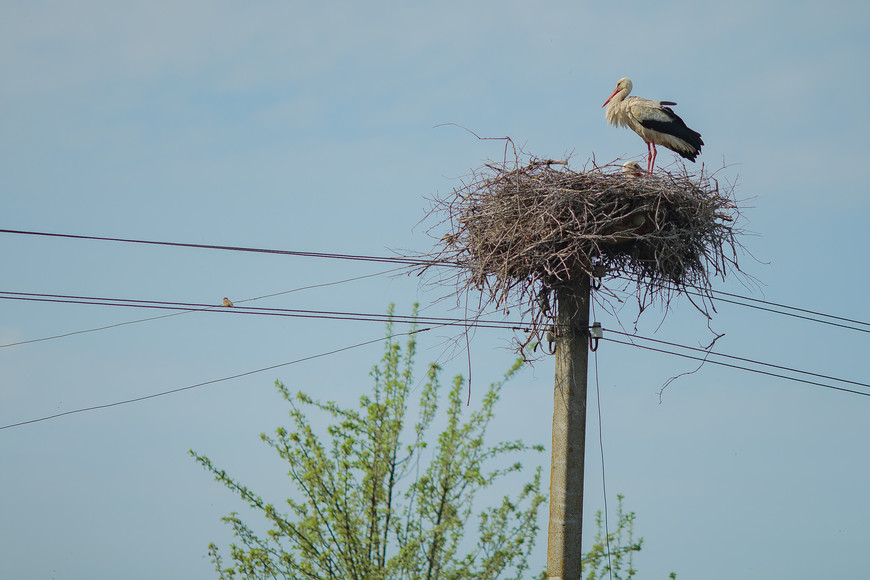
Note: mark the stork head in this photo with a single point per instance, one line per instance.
(632, 169)
(622, 85)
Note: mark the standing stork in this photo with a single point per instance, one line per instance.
(654, 121)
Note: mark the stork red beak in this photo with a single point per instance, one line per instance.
(613, 94)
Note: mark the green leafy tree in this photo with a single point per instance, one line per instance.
(612, 554)
(374, 502)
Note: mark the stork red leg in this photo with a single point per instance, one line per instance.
(652, 155)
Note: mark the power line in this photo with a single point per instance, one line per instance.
(603, 477)
(439, 321)
(187, 307)
(778, 305)
(741, 359)
(321, 285)
(724, 364)
(205, 383)
(473, 323)
(369, 317)
(259, 311)
(361, 316)
(363, 258)
(772, 307)
(107, 327)
(420, 261)
(792, 314)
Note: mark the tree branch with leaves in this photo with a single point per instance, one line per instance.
(372, 502)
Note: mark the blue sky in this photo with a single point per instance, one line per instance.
(306, 126)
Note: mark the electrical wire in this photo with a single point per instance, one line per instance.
(601, 448)
(205, 383)
(741, 359)
(793, 315)
(632, 344)
(603, 478)
(738, 367)
(411, 261)
(340, 315)
(407, 319)
(259, 311)
(421, 261)
(807, 314)
(99, 328)
(795, 308)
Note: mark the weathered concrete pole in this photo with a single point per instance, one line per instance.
(564, 553)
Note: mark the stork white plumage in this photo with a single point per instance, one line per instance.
(654, 121)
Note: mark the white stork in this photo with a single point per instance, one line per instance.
(654, 121)
(632, 169)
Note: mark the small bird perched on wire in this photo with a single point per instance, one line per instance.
(227, 302)
(654, 121)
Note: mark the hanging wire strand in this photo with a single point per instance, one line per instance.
(603, 477)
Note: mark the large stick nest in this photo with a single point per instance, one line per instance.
(518, 232)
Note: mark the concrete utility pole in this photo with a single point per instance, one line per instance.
(564, 552)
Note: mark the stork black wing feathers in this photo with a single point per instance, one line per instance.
(677, 127)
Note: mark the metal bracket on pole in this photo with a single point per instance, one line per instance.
(598, 272)
(595, 332)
